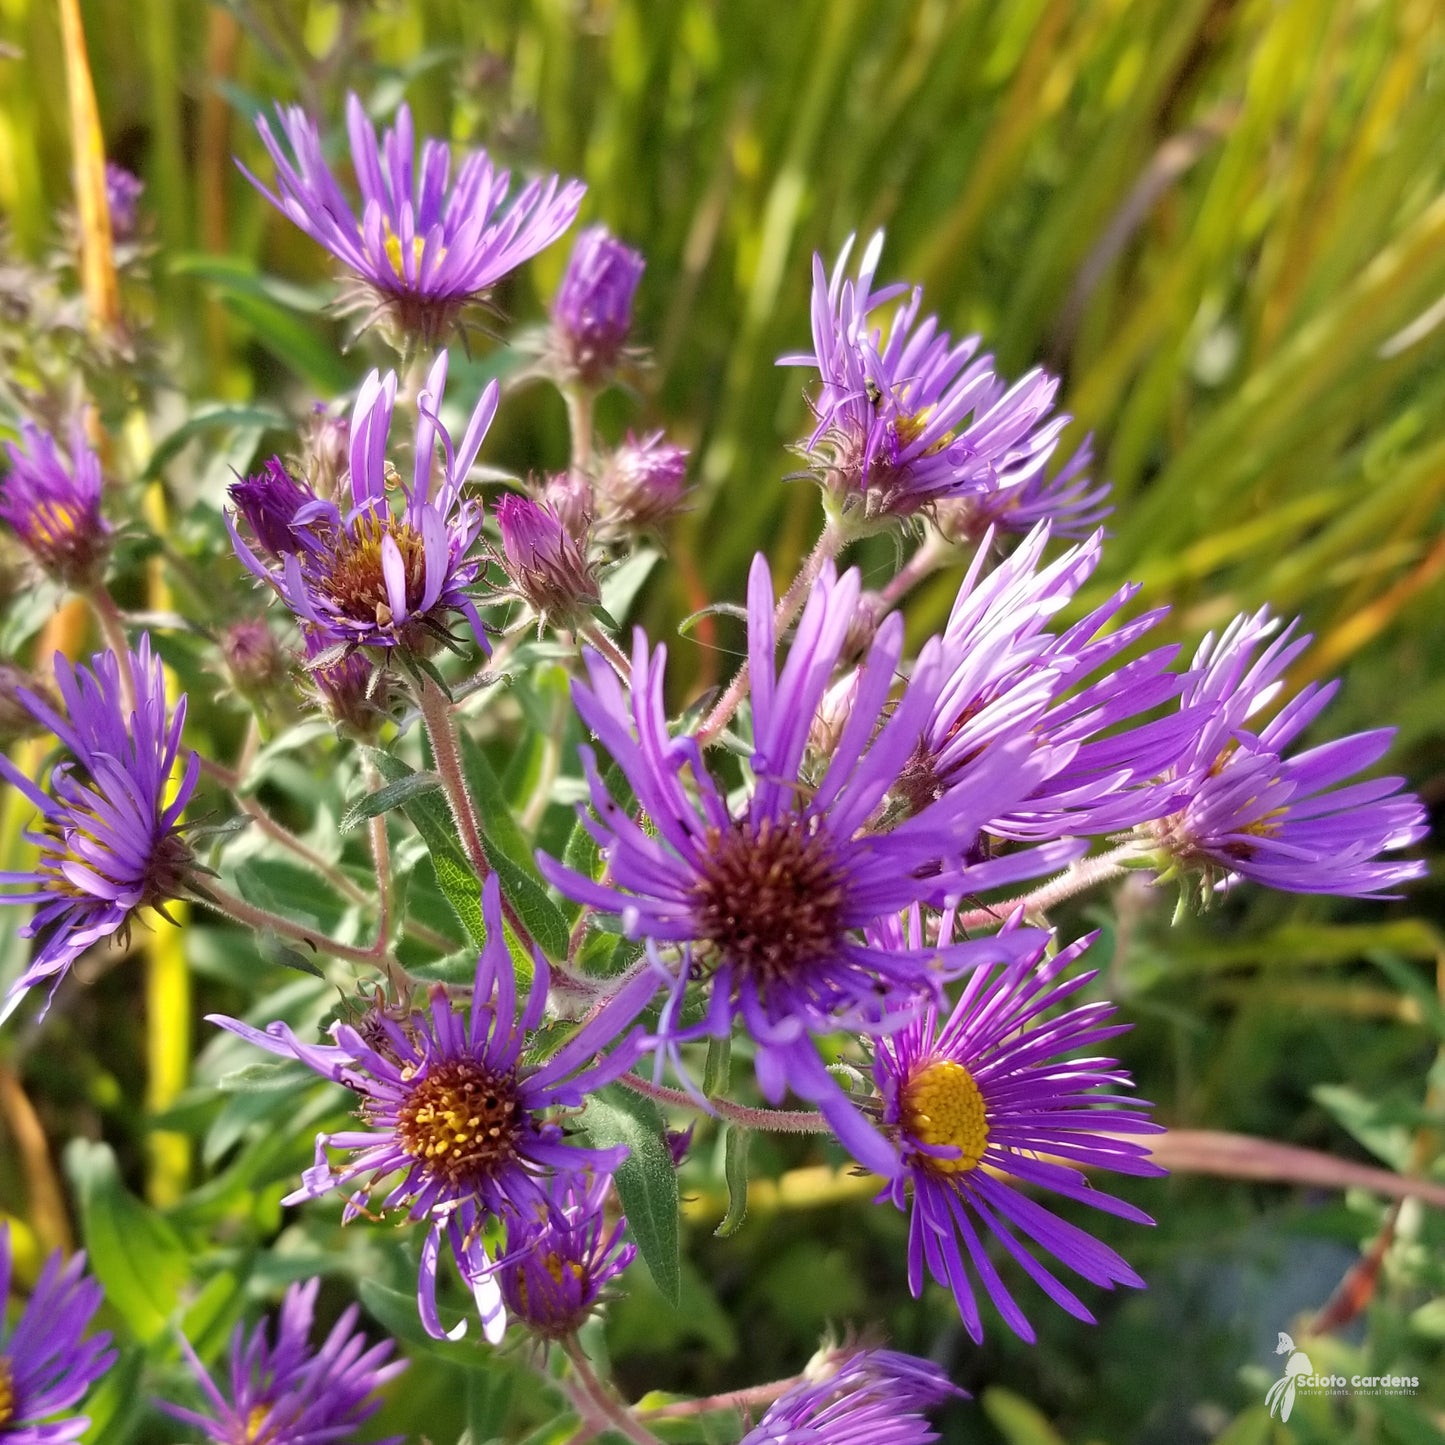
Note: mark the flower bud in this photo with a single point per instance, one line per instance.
(344, 686)
(642, 484)
(54, 508)
(122, 194)
(592, 311)
(269, 502)
(326, 452)
(17, 721)
(569, 494)
(833, 713)
(546, 565)
(253, 656)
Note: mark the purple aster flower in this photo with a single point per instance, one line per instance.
(1068, 692)
(861, 1397)
(122, 193)
(288, 1393)
(763, 900)
(423, 249)
(993, 1100)
(373, 576)
(46, 1365)
(1026, 495)
(456, 1122)
(109, 835)
(641, 485)
(592, 311)
(53, 506)
(1293, 823)
(546, 565)
(914, 419)
(560, 1258)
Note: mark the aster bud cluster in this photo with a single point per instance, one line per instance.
(841, 859)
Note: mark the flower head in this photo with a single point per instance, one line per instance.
(53, 505)
(561, 1258)
(994, 1099)
(641, 484)
(109, 833)
(546, 564)
(858, 1397)
(1294, 823)
(915, 419)
(289, 1393)
(1067, 692)
(46, 1365)
(423, 248)
(592, 311)
(764, 899)
(374, 576)
(461, 1127)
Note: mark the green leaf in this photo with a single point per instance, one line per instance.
(384, 799)
(205, 418)
(735, 1168)
(454, 874)
(646, 1180)
(717, 1070)
(140, 1260)
(496, 816)
(1019, 1422)
(542, 917)
(622, 583)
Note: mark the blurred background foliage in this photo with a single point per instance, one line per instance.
(1223, 223)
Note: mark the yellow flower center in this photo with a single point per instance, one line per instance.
(460, 1122)
(394, 252)
(356, 579)
(254, 1419)
(943, 1106)
(55, 524)
(7, 1391)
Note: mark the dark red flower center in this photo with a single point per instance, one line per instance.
(770, 899)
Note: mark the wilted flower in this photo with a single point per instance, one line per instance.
(560, 1258)
(289, 1393)
(547, 566)
(456, 1121)
(109, 835)
(995, 1099)
(1290, 823)
(765, 899)
(858, 1397)
(372, 576)
(422, 249)
(641, 484)
(917, 419)
(46, 1364)
(53, 506)
(592, 311)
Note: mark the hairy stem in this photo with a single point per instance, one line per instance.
(213, 895)
(579, 419)
(618, 1416)
(436, 713)
(1077, 878)
(831, 541)
(732, 1400)
(776, 1121)
(112, 628)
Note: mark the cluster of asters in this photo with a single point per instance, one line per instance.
(813, 863)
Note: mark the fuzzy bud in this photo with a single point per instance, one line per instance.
(833, 713)
(326, 452)
(344, 686)
(253, 656)
(16, 719)
(569, 494)
(546, 565)
(642, 483)
(592, 311)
